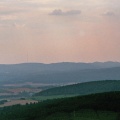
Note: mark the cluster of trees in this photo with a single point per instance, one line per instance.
(102, 101)
(2, 102)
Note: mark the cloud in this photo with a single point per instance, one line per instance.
(57, 12)
(109, 13)
(60, 12)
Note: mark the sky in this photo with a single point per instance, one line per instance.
(50, 31)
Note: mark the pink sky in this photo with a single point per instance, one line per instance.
(59, 31)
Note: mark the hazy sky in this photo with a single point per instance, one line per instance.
(59, 30)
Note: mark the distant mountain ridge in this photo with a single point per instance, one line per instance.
(59, 73)
(63, 66)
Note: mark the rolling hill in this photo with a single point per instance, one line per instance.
(82, 88)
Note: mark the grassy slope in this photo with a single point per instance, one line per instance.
(42, 98)
(104, 106)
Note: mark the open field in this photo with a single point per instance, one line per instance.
(12, 92)
(15, 102)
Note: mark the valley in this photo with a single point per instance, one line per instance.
(66, 91)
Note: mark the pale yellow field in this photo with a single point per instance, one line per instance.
(15, 102)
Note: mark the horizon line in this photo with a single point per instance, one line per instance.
(58, 62)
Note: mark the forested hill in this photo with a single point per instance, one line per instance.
(75, 108)
(83, 88)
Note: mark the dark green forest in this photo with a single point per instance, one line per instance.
(68, 108)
